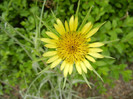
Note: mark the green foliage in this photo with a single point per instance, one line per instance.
(21, 50)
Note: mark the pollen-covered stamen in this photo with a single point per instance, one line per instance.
(72, 47)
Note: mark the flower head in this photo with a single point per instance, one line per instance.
(72, 47)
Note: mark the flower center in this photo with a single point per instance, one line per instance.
(72, 47)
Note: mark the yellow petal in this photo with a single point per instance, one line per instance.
(97, 55)
(90, 58)
(70, 68)
(92, 32)
(83, 67)
(66, 70)
(50, 45)
(75, 23)
(59, 29)
(52, 59)
(52, 35)
(60, 24)
(95, 50)
(89, 39)
(66, 26)
(97, 44)
(55, 63)
(62, 65)
(71, 23)
(86, 27)
(50, 53)
(47, 40)
(87, 64)
(78, 67)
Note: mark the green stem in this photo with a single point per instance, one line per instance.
(7, 24)
(21, 45)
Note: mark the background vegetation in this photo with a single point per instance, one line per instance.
(23, 22)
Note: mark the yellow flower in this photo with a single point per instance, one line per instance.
(71, 47)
